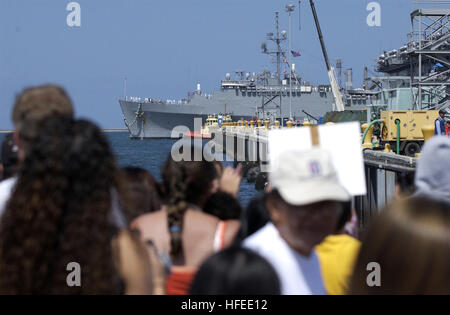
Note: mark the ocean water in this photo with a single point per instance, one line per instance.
(151, 154)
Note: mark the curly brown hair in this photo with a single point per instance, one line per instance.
(60, 212)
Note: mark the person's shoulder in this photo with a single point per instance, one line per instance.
(339, 242)
(346, 240)
(199, 216)
(233, 225)
(153, 218)
(264, 236)
(7, 184)
(6, 187)
(199, 225)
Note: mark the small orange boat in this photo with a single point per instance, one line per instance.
(197, 134)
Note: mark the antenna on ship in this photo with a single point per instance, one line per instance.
(125, 89)
(278, 48)
(299, 15)
(277, 38)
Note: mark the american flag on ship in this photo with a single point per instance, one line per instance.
(296, 53)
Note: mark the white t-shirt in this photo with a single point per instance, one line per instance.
(6, 188)
(438, 127)
(298, 274)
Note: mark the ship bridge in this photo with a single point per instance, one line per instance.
(265, 83)
(232, 84)
(283, 89)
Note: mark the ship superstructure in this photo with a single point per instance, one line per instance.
(415, 76)
(243, 95)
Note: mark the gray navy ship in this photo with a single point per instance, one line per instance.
(245, 96)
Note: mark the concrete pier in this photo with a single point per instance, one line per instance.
(104, 130)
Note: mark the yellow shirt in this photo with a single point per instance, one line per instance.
(337, 256)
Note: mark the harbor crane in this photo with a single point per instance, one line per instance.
(338, 104)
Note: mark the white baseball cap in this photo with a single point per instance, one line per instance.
(306, 177)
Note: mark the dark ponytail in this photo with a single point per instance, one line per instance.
(177, 206)
(185, 182)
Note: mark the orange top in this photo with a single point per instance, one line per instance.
(179, 281)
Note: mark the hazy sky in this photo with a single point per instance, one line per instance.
(166, 47)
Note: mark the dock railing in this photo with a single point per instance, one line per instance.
(249, 145)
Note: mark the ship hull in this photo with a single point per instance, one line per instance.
(157, 124)
(162, 120)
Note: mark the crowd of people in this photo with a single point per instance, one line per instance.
(64, 199)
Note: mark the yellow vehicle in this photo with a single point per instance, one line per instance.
(402, 129)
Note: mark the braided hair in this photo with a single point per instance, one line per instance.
(185, 182)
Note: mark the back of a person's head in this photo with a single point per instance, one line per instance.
(236, 271)
(345, 216)
(223, 206)
(60, 212)
(9, 158)
(405, 183)
(140, 192)
(36, 104)
(255, 216)
(187, 180)
(410, 242)
(432, 180)
(185, 183)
